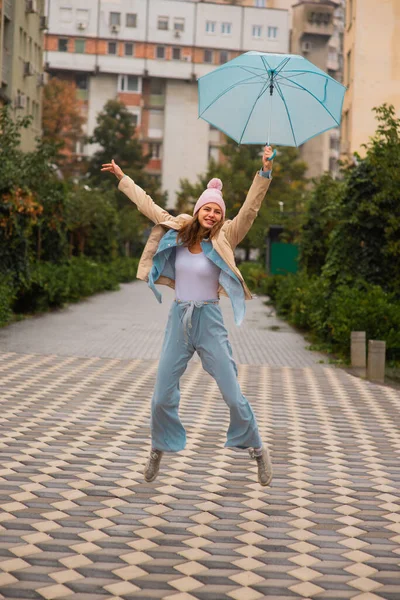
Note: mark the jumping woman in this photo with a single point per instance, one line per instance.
(195, 256)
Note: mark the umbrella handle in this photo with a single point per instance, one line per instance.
(273, 154)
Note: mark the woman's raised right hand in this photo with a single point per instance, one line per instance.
(113, 168)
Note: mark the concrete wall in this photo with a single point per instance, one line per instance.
(374, 69)
(185, 145)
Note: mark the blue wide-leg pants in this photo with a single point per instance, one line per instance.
(198, 327)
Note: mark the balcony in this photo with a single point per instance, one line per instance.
(314, 19)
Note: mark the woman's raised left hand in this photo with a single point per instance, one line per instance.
(267, 164)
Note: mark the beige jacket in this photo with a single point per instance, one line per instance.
(230, 235)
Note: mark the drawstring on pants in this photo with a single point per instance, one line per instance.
(189, 306)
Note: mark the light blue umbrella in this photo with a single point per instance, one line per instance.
(260, 97)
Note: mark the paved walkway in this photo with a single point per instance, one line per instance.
(78, 521)
(130, 324)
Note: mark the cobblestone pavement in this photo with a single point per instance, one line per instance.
(78, 521)
(130, 324)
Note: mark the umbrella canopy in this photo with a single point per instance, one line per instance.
(260, 97)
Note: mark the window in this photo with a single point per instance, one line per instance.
(333, 164)
(129, 83)
(65, 15)
(176, 54)
(135, 113)
(163, 23)
(223, 57)
(332, 54)
(160, 52)
(62, 45)
(81, 80)
(213, 152)
(210, 26)
(115, 18)
(272, 32)
(80, 46)
(256, 31)
(260, 3)
(208, 56)
(128, 49)
(179, 24)
(131, 20)
(155, 150)
(112, 47)
(157, 86)
(226, 28)
(157, 91)
(319, 18)
(82, 15)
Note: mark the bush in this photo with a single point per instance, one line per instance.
(52, 285)
(308, 302)
(255, 276)
(368, 308)
(7, 294)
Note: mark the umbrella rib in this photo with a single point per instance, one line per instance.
(315, 97)
(251, 112)
(283, 63)
(228, 90)
(278, 87)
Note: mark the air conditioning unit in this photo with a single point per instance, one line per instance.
(28, 69)
(114, 28)
(177, 34)
(81, 26)
(306, 46)
(20, 101)
(31, 6)
(43, 23)
(41, 79)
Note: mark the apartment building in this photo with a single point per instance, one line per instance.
(149, 54)
(22, 25)
(372, 68)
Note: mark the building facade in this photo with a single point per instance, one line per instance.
(372, 68)
(149, 55)
(317, 34)
(21, 62)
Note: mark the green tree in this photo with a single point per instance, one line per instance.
(321, 216)
(237, 172)
(32, 197)
(92, 222)
(115, 133)
(365, 244)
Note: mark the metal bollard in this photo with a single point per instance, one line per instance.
(358, 349)
(376, 361)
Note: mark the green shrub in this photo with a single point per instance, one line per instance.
(308, 302)
(52, 285)
(255, 276)
(7, 294)
(368, 308)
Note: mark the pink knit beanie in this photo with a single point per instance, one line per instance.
(211, 194)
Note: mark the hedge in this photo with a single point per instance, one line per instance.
(309, 303)
(53, 285)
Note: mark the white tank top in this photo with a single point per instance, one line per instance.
(196, 277)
